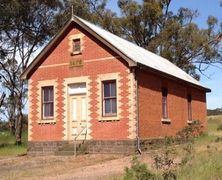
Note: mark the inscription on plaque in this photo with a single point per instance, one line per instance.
(75, 63)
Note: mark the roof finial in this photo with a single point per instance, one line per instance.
(72, 12)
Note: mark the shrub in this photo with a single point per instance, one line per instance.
(4, 126)
(189, 132)
(164, 160)
(219, 128)
(138, 171)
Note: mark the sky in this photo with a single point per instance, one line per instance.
(213, 76)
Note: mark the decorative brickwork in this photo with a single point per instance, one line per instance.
(30, 110)
(132, 106)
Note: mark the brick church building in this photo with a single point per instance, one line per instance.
(93, 86)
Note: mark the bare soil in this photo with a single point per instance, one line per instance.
(66, 167)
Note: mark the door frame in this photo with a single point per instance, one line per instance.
(69, 97)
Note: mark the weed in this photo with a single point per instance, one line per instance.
(164, 161)
(138, 171)
(189, 132)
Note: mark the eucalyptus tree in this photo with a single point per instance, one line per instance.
(24, 27)
(173, 35)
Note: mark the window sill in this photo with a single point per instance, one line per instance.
(75, 53)
(47, 121)
(109, 118)
(165, 120)
(189, 121)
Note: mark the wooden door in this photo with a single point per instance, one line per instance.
(78, 116)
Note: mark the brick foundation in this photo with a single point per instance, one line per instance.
(97, 146)
(116, 147)
(44, 147)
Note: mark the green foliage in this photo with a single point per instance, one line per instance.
(175, 36)
(202, 160)
(204, 166)
(4, 126)
(7, 144)
(165, 160)
(189, 132)
(219, 128)
(25, 26)
(137, 171)
(188, 153)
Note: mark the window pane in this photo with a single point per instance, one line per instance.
(113, 106)
(106, 90)
(164, 107)
(113, 89)
(48, 109)
(50, 93)
(189, 111)
(76, 45)
(46, 94)
(51, 109)
(107, 106)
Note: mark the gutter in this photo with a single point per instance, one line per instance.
(137, 113)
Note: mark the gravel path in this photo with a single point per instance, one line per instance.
(66, 167)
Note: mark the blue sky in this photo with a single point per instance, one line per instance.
(205, 8)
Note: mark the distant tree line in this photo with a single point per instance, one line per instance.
(213, 112)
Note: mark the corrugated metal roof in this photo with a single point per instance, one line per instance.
(141, 55)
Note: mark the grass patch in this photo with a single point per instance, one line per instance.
(203, 166)
(198, 158)
(214, 122)
(7, 144)
(206, 162)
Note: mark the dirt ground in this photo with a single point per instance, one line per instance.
(66, 167)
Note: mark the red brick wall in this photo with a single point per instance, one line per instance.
(150, 105)
(93, 49)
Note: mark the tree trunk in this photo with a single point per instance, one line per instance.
(12, 114)
(19, 125)
(12, 124)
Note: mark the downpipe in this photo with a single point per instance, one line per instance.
(137, 113)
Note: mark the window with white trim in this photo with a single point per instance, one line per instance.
(47, 102)
(109, 98)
